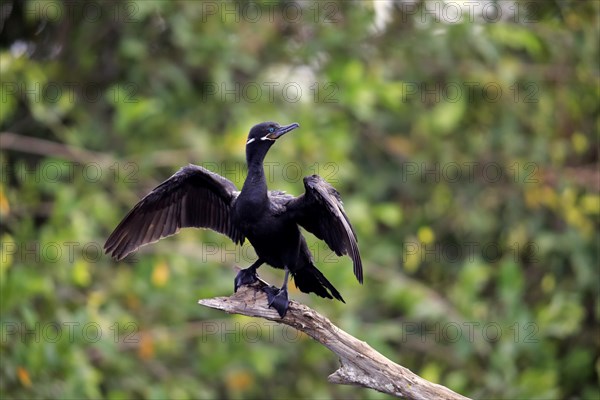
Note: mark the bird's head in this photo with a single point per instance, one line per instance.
(266, 133)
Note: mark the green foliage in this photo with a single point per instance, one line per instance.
(466, 154)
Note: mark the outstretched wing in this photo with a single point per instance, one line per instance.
(319, 210)
(192, 197)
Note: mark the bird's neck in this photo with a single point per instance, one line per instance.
(256, 183)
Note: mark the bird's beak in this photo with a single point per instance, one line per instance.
(282, 130)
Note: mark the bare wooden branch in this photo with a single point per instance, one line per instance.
(43, 147)
(360, 364)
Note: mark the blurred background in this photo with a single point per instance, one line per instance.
(463, 137)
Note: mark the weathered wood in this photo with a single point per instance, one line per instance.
(360, 364)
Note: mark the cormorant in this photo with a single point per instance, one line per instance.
(270, 220)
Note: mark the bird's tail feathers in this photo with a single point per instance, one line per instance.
(310, 279)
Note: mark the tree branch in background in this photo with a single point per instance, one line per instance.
(47, 148)
(360, 364)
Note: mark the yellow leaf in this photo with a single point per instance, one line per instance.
(580, 142)
(133, 302)
(431, 372)
(24, 377)
(146, 349)
(590, 204)
(4, 205)
(81, 274)
(8, 248)
(160, 274)
(549, 197)
(548, 283)
(426, 235)
(412, 257)
(239, 380)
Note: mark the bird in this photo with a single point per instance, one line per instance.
(270, 220)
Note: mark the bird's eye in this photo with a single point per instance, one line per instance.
(271, 129)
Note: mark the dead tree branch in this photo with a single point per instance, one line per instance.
(360, 364)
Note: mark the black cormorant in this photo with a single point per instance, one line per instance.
(270, 220)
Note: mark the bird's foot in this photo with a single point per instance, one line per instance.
(278, 299)
(246, 276)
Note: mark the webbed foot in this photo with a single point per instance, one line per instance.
(245, 277)
(278, 299)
